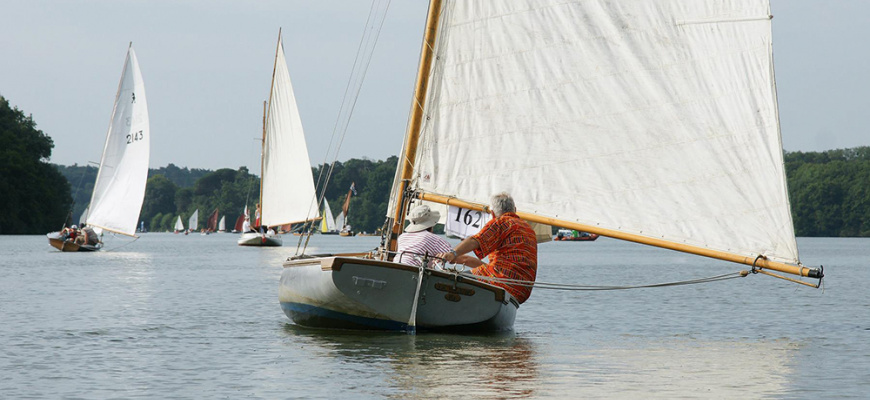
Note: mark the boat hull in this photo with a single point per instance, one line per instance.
(68, 246)
(261, 240)
(587, 238)
(354, 293)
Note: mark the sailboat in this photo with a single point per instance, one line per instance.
(193, 221)
(342, 220)
(661, 116)
(327, 223)
(212, 222)
(179, 226)
(120, 186)
(286, 185)
(240, 221)
(222, 225)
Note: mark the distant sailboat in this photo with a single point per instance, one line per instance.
(346, 229)
(120, 186)
(327, 222)
(240, 221)
(653, 122)
(286, 185)
(193, 221)
(179, 227)
(222, 225)
(212, 222)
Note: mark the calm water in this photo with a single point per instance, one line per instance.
(172, 316)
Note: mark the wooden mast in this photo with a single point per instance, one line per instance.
(760, 263)
(413, 135)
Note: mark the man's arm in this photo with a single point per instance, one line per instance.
(467, 245)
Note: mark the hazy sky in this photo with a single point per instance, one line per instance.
(207, 67)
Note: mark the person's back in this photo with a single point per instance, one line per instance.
(418, 239)
(412, 246)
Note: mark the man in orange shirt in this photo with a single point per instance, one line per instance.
(510, 244)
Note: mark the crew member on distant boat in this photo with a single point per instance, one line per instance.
(510, 244)
(418, 239)
(246, 226)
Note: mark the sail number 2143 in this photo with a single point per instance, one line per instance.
(135, 137)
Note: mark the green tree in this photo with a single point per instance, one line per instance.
(159, 199)
(167, 223)
(35, 196)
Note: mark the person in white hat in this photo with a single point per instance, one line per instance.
(418, 239)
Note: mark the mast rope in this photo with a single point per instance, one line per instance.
(365, 51)
(460, 270)
(116, 248)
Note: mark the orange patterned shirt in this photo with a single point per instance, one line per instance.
(512, 248)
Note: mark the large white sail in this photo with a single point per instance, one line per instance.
(120, 186)
(178, 225)
(288, 186)
(222, 225)
(655, 118)
(193, 221)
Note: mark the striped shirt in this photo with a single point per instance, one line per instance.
(512, 248)
(412, 246)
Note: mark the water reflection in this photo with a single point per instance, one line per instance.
(511, 366)
(432, 365)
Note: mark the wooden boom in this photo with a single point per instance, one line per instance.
(757, 262)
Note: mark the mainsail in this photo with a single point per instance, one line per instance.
(211, 224)
(222, 225)
(193, 221)
(288, 194)
(661, 116)
(178, 225)
(120, 186)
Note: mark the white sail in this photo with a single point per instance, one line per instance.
(288, 186)
(193, 221)
(222, 225)
(339, 220)
(84, 217)
(178, 225)
(120, 186)
(328, 222)
(655, 118)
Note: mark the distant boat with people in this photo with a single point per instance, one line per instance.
(573, 235)
(120, 186)
(287, 193)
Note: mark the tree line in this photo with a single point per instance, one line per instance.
(829, 191)
(173, 192)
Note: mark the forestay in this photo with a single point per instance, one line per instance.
(288, 187)
(120, 186)
(655, 118)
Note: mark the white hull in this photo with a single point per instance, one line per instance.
(259, 239)
(353, 293)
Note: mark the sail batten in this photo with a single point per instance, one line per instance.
(614, 115)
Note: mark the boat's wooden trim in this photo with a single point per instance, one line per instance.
(757, 262)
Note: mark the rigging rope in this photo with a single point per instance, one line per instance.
(365, 50)
(461, 270)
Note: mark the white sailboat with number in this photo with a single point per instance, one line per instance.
(286, 185)
(120, 186)
(648, 121)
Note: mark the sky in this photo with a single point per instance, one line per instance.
(207, 68)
